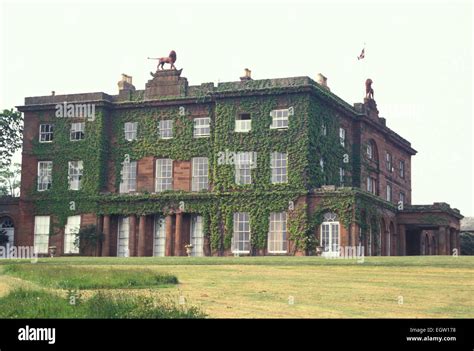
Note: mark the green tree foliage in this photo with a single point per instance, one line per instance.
(10, 179)
(11, 130)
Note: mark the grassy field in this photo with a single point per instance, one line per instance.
(272, 287)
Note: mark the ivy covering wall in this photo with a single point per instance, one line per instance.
(304, 142)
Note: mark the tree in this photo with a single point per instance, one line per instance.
(11, 130)
(467, 243)
(10, 180)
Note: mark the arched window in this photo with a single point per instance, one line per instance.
(330, 235)
(6, 225)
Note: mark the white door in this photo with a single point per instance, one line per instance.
(122, 237)
(197, 236)
(159, 240)
(330, 239)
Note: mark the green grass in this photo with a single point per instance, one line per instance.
(275, 287)
(80, 277)
(42, 304)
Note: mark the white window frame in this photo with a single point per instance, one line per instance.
(131, 130)
(128, 174)
(389, 193)
(279, 167)
(163, 174)
(241, 234)
(202, 127)
(72, 227)
(45, 175)
(342, 137)
(330, 236)
(200, 174)
(48, 134)
(123, 237)
(75, 173)
(280, 118)
(342, 174)
(388, 161)
(243, 168)
(41, 234)
(402, 197)
(165, 129)
(243, 125)
(371, 185)
(402, 169)
(159, 236)
(370, 151)
(77, 131)
(277, 242)
(197, 236)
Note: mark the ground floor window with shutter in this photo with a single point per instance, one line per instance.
(122, 237)
(159, 241)
(41, 240)
(72, 228)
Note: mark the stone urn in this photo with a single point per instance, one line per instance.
(189, 249)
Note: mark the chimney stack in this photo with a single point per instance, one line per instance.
(126, 88)
(323, 81)
(247, 75)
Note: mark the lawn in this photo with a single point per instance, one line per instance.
(273, 287)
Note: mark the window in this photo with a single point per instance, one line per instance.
(401, 197)
(41, 240)
(280, 118)
(46, 133)
(243, 167)
(402, 169)
(129, 177)
(324, 130)
(200, 178)
(131, 131)
(341, 176)
(330, 235)
(77, 131)
(165, 129)
(342, 136)
(370, 151)
(164, 174)
(389, 193)
(72, 228)
(321, 164)
(197, 236)
(122, 236)
(277, 233)
(279, 164)
(6, 224)
(241, 237)
(388, 161)
(45, 170)
(159, 243)
(372, 185)
(75, 175)
(202, 127)
(243, 123)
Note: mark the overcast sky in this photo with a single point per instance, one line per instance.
(419, 56)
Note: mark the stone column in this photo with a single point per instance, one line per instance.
(132, 238)
(169, 235)
(141, 236)
(402, 240)
(442, 240)
(106, 231)
(178, 236)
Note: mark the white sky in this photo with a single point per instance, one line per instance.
(419, 55)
